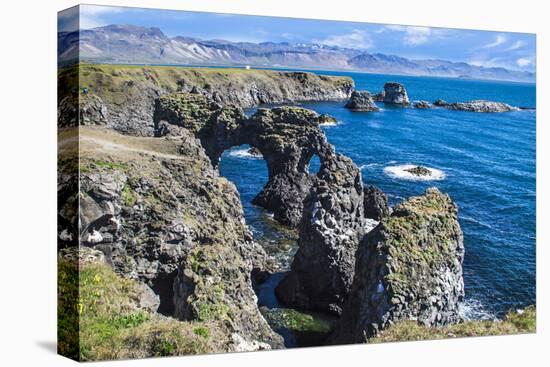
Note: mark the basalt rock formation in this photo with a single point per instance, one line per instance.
(361, 101)
(395, 93)
(332, 224)
(422, 104)
(375, 203)
(478, 106)
(163, 216)
(286, 137)
(408, 268)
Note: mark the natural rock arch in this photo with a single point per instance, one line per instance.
(287, 138)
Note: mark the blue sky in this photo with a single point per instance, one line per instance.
(484, 48)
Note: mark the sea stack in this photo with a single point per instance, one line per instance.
(395, 93)
(408, 268)
(361, 101)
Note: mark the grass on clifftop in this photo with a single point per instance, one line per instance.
(523, 322)
(101, 320)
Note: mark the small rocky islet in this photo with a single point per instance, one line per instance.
(396, 94)
(145, 201)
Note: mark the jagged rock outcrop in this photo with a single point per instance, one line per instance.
(395, 93)
(162, 214)
(286, 137)
(408, 267)
(478, 106)
(332, 224)
(422, 104)
(361, 101)
(379, 97)
(128, 93)
(375, 203)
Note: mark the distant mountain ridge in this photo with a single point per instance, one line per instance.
(141, 45)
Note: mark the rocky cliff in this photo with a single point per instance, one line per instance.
(123, 97)
(162, 215)
(408, 268)
(332, 224)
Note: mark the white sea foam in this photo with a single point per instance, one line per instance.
(330, 124)
(400, 172)
(369, 165)
(243, 153)
(472, 309)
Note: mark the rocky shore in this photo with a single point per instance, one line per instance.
(140, 192)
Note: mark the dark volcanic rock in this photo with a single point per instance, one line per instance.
(376, 203)
(440, 103)
(255, 152)
(287, 137)
(361, 101)
(408, 268)
(395, 93)
(332, 225)
(163, 215)
(422, 104)
(325, 119)
(379, 97)
(481, 106)
(419, 171)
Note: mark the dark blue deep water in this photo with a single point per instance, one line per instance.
(486, 164)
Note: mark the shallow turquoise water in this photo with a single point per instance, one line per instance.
(487, 164)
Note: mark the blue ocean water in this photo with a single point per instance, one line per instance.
(487, 164)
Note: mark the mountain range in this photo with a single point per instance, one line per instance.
(130, 44)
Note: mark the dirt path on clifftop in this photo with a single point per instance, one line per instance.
(105, 141)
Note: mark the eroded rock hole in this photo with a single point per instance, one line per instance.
(314, 165)
(163, 287)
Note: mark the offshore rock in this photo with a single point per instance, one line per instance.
(395, 93)
(422, 104)
(408, 268)
(480, 106)
(361, 101)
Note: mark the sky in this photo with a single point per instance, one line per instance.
(484, 48)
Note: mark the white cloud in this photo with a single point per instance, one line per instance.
(525, 61)
(516, 45)
(91, 16)
(415, 35)
(356, 39)
(499, 40)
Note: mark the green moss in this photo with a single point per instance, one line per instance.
(128, 195)
(202, 332)
(297, 321)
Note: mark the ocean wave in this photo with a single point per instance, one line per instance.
(472, 309)
(400, 172)
(243, 153)
(369, 165)
(331, 124)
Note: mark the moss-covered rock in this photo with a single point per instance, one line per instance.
(408, 267)
(100, 317)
